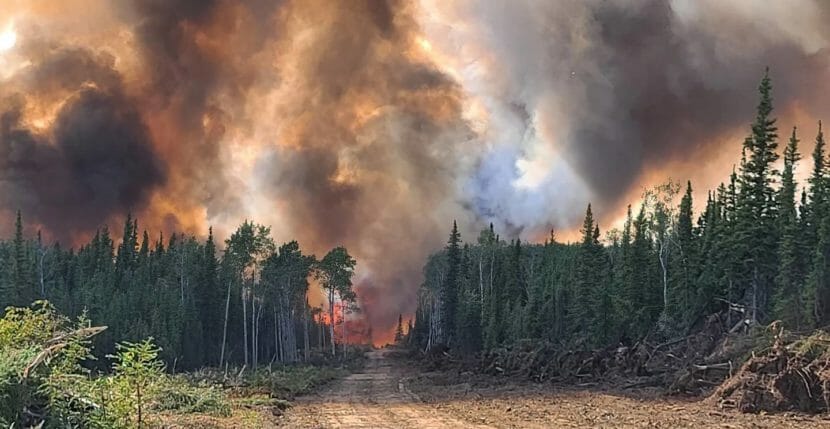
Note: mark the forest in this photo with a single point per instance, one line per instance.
(141, 332)
(243, 304)
(138, 331)
(760, 242)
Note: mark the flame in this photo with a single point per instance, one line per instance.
(355, 330)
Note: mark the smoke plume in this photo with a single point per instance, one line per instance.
(96, 158)
(374, 123)
(604, 92)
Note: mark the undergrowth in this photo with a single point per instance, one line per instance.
(44, 382)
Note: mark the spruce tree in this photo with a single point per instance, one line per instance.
(709, 271)
(788, 294)
(645, 291)
(19, 292)
(681, 269)
(592, 307)
(585, 275)
(815, 206)
(449, 295)
(626, 298)
(756, 207)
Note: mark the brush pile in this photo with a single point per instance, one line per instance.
(693, 364)
(792, 375)
(737, 364)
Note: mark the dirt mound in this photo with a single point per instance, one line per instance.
(791, 377)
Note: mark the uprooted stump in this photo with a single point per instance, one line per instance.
(794, 377)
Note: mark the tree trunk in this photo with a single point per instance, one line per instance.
(292, 333)
(277, 345)
(321, 333)
(663, 257)
(481, 283)
(225, 327)
(259, 326)
(331, 320)
(138, 400)
(181, 278)
(306, 341)
(42, 254)
(253, 331)
(344, 328)
(492, 262)
(288, 324)
(245, 324)
(285, 335)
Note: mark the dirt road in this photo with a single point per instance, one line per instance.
(392, 393)
(377, 397)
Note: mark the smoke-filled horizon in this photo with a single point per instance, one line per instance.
(374, 123)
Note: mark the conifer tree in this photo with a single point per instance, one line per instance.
(788, 294)
(814, 207)
(592, 303)
(756, 209)
(449, 294)
(684, 263)
(19, 292)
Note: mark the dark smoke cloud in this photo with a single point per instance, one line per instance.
(374, 123)
(661, 103)
(370, 155)
(616, 89)
(97, 160)
(196, 75)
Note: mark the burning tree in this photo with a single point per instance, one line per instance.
(335, 273)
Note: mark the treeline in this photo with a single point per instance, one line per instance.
(244, 304)
(758, 246)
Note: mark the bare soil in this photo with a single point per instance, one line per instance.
(391, 392)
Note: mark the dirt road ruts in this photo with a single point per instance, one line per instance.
(374, 398)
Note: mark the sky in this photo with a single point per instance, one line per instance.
(374, 124)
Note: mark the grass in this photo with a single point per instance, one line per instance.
(181, 396)
(209, 399)
(294, 381)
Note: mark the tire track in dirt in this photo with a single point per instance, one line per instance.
(374, 398)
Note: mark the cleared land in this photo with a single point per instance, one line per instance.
(391, 392)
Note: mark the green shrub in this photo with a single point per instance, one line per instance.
(298, 380)
(37, 347)
(42, 379)
(178, 395)
(15, 394)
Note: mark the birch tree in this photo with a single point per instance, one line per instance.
(245, 251)
(335, 272)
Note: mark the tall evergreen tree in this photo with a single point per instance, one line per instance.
(683, 294)
(19, 292)
(814, 209)
(788, 303)
(756, 209)
(449, 294)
